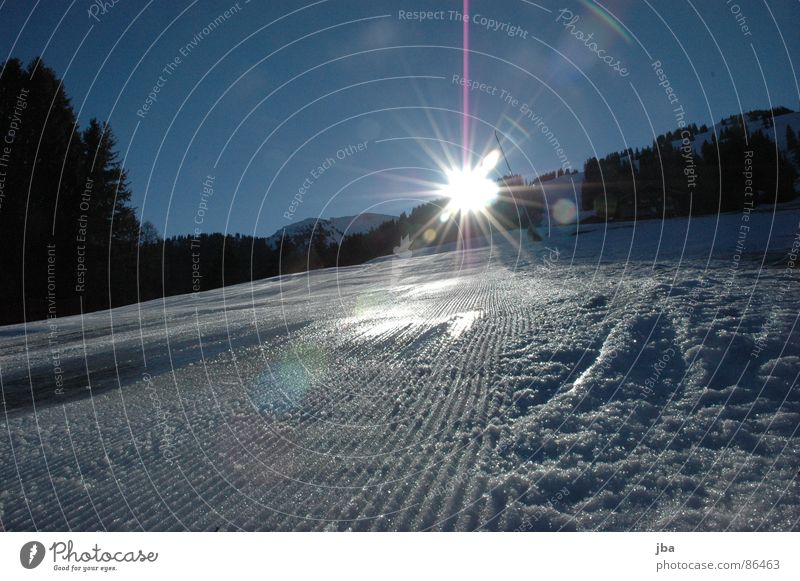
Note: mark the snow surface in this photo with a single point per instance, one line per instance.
(622, 376)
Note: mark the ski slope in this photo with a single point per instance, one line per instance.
(612, 377)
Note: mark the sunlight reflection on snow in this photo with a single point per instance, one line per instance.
(462, 322)
(432, 287)
(398, 319)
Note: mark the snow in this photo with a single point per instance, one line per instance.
(613, 376)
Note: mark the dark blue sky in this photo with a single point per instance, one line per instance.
(266, 95)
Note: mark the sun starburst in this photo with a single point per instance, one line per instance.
(469, 189)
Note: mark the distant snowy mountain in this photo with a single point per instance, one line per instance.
(331, 230)
(360, 224)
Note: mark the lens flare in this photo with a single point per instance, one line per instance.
(284, 385)
(564, 211)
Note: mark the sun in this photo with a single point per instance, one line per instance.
(470, 189)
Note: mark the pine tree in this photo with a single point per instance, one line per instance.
(68, 189)
(40, 217)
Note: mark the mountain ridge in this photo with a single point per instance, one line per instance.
(330, 230)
